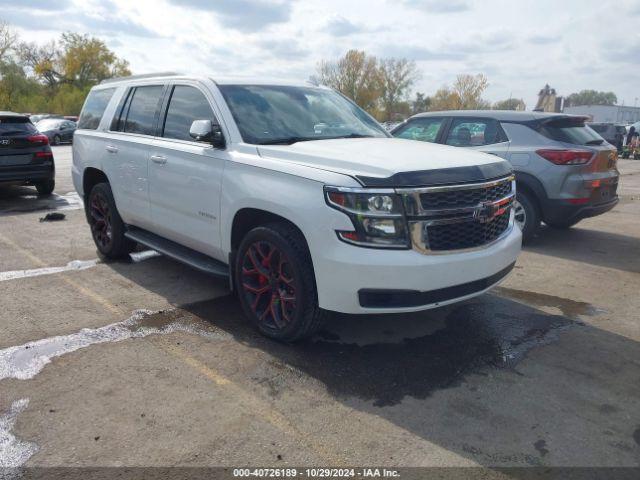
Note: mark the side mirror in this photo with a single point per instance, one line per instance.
(207, 131)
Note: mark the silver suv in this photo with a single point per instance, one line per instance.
(565, 171)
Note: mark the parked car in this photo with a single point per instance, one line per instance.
(58, 130)
(73, 118)
(295, 193)
(565, 171)
(25, 155)
(41, 116)
(611, 132)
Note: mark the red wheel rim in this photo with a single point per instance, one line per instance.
(100, 220)
(268, 285)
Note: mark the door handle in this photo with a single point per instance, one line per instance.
(111, 149)
(159, 159)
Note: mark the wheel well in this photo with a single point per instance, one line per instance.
(533, 195)
(92, 176)
(250, 218)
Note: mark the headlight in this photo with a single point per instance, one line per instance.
(377, 216)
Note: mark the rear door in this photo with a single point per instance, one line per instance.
(127, 151)
(184, 175)
(482, 134)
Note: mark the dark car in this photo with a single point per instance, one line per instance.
(57, 130)
(25, 154)
(611, 132)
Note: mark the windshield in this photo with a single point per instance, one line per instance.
(268, 114)
(48, 124)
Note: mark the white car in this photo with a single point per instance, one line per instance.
(295, 193)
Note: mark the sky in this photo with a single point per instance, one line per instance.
(520, 45)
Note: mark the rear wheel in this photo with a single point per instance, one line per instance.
(107, 228)
(275, 282)
(526, 215)
(45, 187)
(56, 140)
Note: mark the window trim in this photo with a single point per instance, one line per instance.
(452, 119)
(125, 104)
(162, 119)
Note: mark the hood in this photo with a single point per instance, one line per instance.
(391, 161)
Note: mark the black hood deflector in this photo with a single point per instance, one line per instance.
(443, 176)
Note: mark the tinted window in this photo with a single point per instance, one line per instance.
(466, 132)
(186, 105)
(16, 126)
(94, 107)
(284, 114)
(570, 130)
(422, 129)
(141, 117)
(599, 127)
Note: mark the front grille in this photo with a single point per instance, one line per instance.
(464, 198)
(457, 217)
(469, 234)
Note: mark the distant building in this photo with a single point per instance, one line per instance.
(548, 100)
(607, 113)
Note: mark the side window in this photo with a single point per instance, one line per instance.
(94, 108)
(469, 132)
(422, 129)
(186, 105)
(141, 116)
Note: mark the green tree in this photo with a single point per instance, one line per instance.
(591, 97)
(397, 76)
(510, 104)
(355, 75)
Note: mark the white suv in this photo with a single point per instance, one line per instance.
(295, 193)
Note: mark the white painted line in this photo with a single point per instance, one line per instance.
(13, 452)
(36, 272)
(26, 361)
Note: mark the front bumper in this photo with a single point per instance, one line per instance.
(344, 272)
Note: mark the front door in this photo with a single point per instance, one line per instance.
(185, 176)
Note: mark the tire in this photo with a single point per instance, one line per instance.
(56, 140)
(107, 227)
(275, 283)
(562, 225)
(45, 187)
(526, 208)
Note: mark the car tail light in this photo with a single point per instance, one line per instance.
(578, 201)
(43, 154)
(38, 139)
(567, 157)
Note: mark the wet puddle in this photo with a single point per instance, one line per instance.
(25, 361)
(14, 452)
(32, 202)
(571, 308)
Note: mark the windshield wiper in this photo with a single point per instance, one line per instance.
(354, 135)
(594, 142)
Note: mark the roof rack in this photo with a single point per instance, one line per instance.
(137, 77)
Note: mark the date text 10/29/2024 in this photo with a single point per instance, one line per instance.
(316, 472)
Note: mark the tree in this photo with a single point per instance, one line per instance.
(464, 94)
(420, 104)
(510, 104)
(8, 39)
(591, 97)
(397, 76)
(356, 75)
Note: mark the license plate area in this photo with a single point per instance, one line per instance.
(9, 160)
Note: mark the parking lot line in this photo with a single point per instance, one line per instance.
(256, 404)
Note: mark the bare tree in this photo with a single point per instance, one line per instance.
(8, 40)
(356, 75)
(43, 61)
(397, 77)
(465, 94)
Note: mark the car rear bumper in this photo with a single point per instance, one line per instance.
(560, 211)
(27, 173)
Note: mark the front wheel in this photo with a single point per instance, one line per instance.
(526, 215)
(107, 228)
(275, 283)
